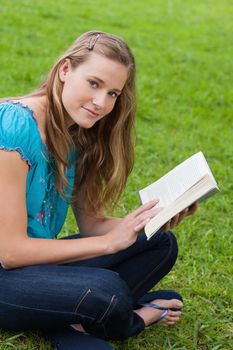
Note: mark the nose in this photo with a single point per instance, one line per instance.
(99, 100)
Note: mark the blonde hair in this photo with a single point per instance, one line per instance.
(105, 151)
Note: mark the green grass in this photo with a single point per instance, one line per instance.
(184, 53)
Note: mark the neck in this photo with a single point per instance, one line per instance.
(38, 104)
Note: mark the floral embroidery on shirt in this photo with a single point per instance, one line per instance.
(40, 216)
(48, 205)
(42, 180)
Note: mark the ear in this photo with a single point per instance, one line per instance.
(64, 69)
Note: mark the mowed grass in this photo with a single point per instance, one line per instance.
(184, 56)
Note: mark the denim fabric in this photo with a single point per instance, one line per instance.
(100, 293)
(68, 339)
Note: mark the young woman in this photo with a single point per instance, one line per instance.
(70, 142)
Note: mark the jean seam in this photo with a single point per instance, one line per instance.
(156, 268)
(71, 313)
(107, 311)
(83, 297)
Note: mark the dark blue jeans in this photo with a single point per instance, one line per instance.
(100, 293)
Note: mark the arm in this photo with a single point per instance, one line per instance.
(90, 225)
(17, 249)
(94, 226)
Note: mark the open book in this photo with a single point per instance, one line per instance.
(187, 183)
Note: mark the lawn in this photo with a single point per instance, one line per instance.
(184, 53)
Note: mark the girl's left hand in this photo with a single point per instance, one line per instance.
(179, 217)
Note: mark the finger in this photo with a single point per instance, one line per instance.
(142, 219)
(165, 227)
(141, 225)
(151, 213)
(188, 211)
(174, 221)
(193, 208)
(182, 215)
(146, 206)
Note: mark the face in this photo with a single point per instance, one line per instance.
(90, 91)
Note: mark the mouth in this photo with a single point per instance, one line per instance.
(91, 113)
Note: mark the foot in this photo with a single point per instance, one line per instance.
(150, 315)
(78, 327)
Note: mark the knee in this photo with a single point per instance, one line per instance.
(113, 307)
(108, 295)
(173, 243)
(117, 295)
(166, 242)
(122, 301)
(172, 246)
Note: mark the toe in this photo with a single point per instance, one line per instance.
(170, 323)
(174, 313)
(175, 303)
(170, 304)
(171, 319)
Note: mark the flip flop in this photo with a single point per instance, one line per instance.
(161, 294)
(70, 339)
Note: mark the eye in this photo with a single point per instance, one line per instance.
(113, 94)
(93, 83)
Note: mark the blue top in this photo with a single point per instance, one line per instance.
(46, 209)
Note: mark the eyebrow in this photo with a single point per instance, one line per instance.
(102, 82)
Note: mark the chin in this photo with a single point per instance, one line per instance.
(86, 125)
(83, 120)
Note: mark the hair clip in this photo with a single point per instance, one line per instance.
(92, 42)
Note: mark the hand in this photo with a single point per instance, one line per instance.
(179, 217)
(126, 231)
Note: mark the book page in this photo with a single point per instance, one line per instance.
(169, 187)
(201, 190)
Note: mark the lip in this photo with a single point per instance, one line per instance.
(91, 113)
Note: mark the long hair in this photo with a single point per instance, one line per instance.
(105, 151)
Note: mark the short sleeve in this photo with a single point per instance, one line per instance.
(18, 131)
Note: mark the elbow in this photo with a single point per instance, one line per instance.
(8, 261)
(13, 255)
(5, 266)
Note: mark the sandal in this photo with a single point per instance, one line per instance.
(161, 294)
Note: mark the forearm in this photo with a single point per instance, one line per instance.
(32, 251)
(99, 226)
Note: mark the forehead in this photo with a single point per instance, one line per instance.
(108, 70)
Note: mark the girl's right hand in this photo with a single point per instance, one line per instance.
(125, 233)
